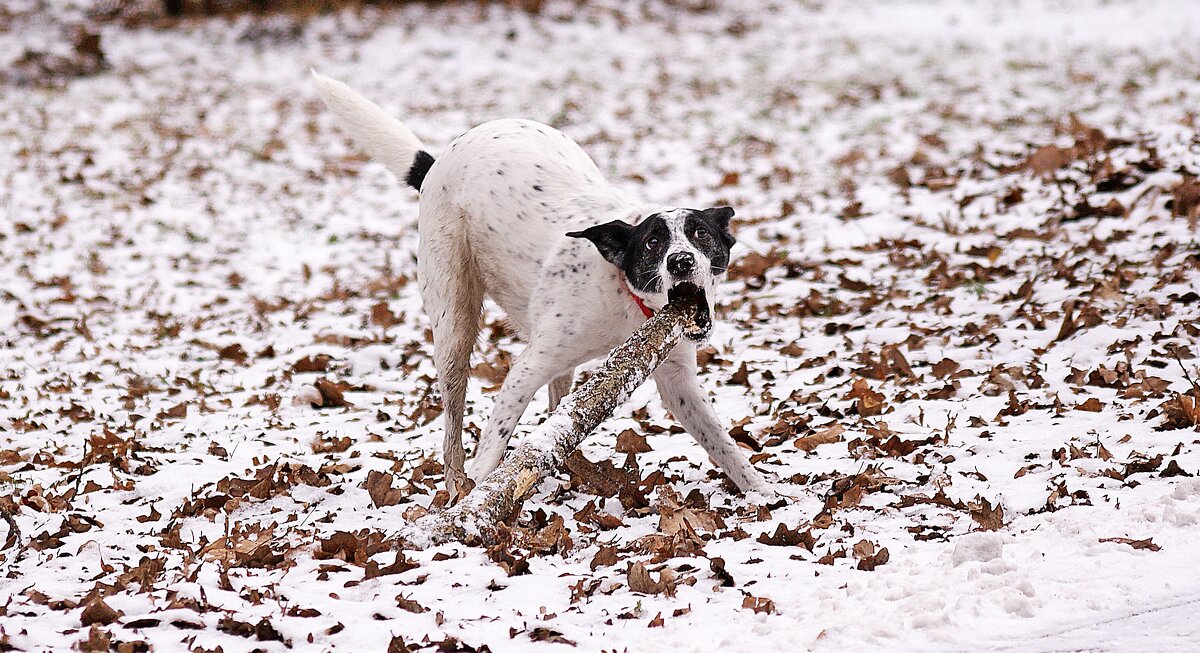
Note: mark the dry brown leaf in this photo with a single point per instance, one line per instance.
(1185, 198)
(740, 377)
(944, 368)
(869, 402)
(717, 565)
(96, 611)
(785, 537)
(1048, 158)
(605, 557)
(405, 603)
(379, 486)
(397, 645)
(828, 435)
(759, 604)
(674, 517)
(1173, 469)
(630, 441)
(382, 316)
(543, 634)
(989, 518)
(400, 565)
(1146, 544)
(332, 394)
(98, 641)
(1180, 412)
(868, 557)
(492, 373)
(640, 580)
(317, 363)
(331, 444)
(234, 353)
(752, 268)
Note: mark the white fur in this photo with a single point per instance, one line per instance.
(494, 211)
(383, 137)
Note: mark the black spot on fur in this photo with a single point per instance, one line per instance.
(420, 167)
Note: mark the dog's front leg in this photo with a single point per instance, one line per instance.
(682, 395)
(534, 368)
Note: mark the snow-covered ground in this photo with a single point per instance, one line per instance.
(958, 330)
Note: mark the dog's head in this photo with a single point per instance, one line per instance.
(666, 249)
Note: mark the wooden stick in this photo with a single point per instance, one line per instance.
(545, 451)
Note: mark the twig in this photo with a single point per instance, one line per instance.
(14, 535)
(14, 531)
(1195, 389)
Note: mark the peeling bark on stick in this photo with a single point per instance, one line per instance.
(545, 450)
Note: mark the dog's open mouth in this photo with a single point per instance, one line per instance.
(694, 295)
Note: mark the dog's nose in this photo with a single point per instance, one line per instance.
(681, 263)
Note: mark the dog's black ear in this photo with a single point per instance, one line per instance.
(720, 217)
(611, 238)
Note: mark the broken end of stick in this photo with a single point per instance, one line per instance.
(525, 481)
(693, 303)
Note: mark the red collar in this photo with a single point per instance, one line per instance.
(646, 310)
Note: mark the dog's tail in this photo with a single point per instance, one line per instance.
(383, 137)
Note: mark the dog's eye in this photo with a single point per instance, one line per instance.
(700, 232)
(652, 244)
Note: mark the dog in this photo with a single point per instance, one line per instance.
(515, 210)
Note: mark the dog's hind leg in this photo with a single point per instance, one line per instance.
(561, 387)
(454, 334)
(453, 296)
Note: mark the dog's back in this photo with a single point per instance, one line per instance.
(519, 186)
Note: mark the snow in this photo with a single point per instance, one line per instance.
(197, 196)
(978, 547)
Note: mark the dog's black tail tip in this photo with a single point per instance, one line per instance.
(420, 167)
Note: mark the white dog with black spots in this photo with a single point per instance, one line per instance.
(516, 211)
